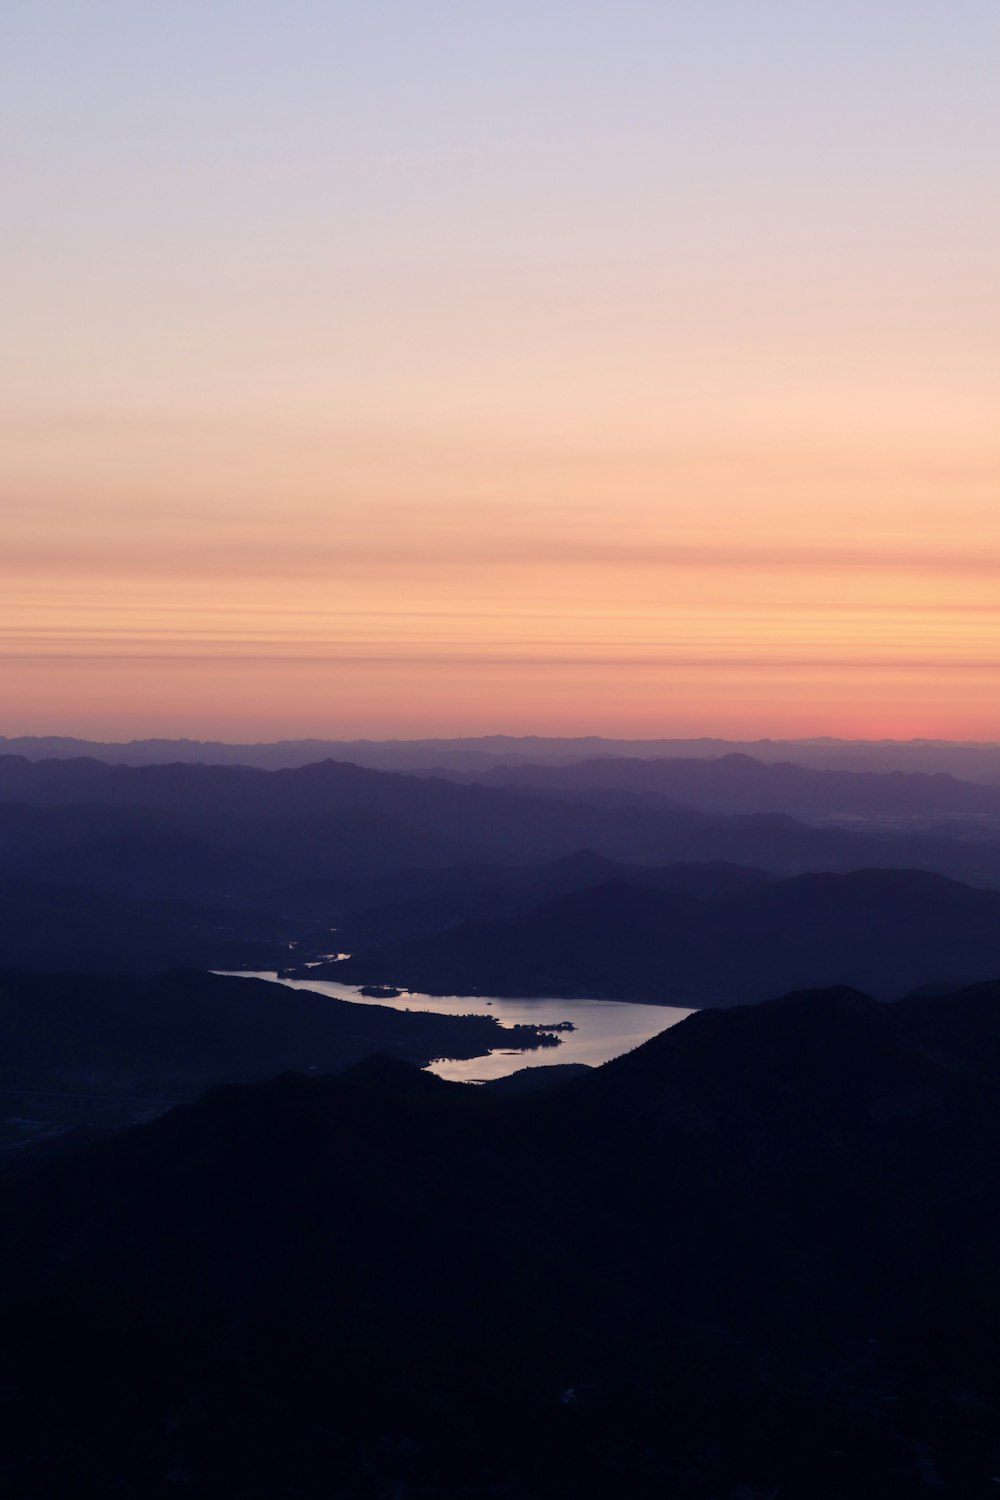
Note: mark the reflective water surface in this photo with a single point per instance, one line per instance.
(604, 1028)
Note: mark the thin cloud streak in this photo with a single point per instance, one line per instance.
(527, 661)
(554, 554)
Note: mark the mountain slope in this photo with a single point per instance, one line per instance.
(58, 926)
(447, 898)
(885, 931)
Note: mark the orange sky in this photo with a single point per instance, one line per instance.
(662, 407)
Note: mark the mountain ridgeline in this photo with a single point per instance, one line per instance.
(578, 880)
(970, 761)
(885, 931)
(203, 832)
(737, 783)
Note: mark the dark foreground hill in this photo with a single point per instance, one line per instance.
(755, 1257)
(101, 1051)
(885, 931)
(191, 1029)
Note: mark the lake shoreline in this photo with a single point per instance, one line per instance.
(601, 1029)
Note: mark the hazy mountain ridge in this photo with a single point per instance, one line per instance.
(253, 831)
(736, 783)
(975, 761)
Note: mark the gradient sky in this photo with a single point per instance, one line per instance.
(401, 369)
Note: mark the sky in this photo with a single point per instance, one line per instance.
(389, 369)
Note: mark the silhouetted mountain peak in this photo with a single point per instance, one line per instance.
(787, 1017)
(385, 1074)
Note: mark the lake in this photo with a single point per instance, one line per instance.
(604, 1028)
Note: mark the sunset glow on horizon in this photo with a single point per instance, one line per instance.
(560, 369)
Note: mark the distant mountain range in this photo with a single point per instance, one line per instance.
(754, 1257)
(886, 931)
(217, 835)
(977, 762)
(740, 784)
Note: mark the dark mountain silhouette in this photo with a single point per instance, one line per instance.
(754, 1257)
(408, 901)
(447, 898)
(533, 1080)
(882, 930)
